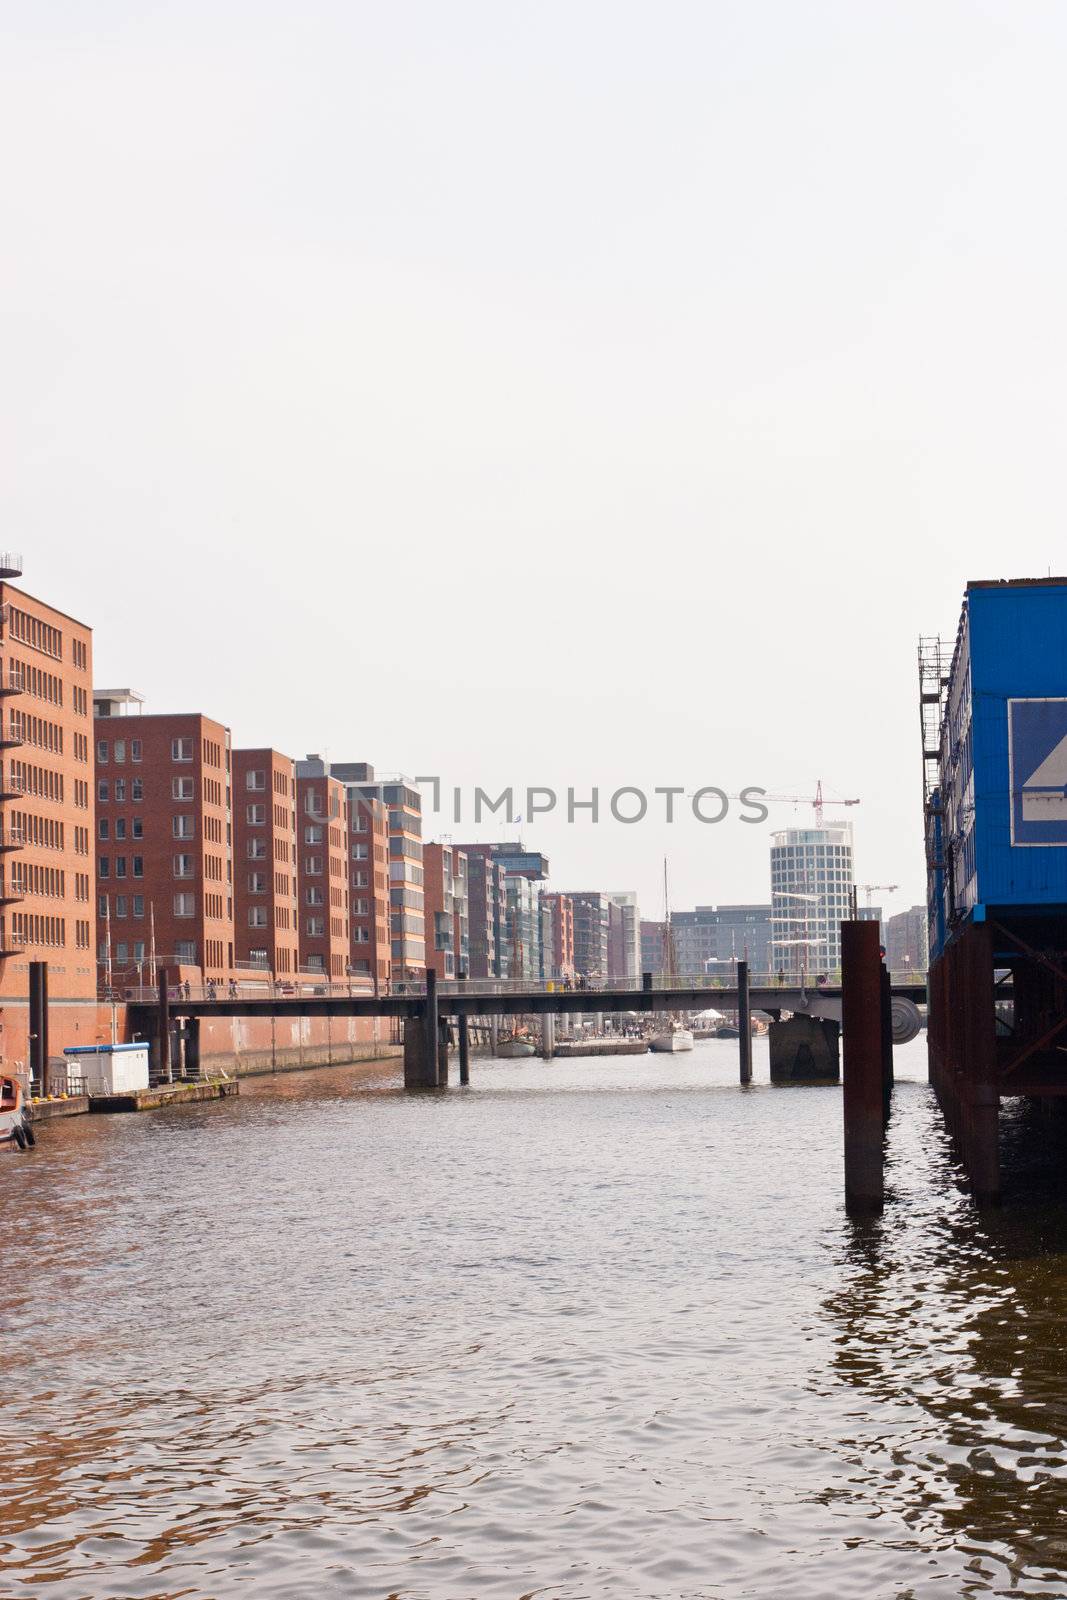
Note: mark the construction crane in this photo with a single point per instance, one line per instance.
(869, 888)
(816, 800)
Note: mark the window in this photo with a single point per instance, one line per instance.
(257, 916)
(120, 905)
(185, 905)
(135, 749)
(257, 883)
(120, 791)
(103, 828)
(183, 867)
(359, 880)
(360, 852)
(138, 866)
(313, 834)
(256, 815)
(102, 791)
(181, 788)
(103, 867)
(120, 866)
(185, 951)
(101, 905)
(102, 751)
(138, 902)
(183, 826)
(362, 908)
(120, 827)
(256, 782)
(137, 789)
(181, 749)
(316, 927)
(137, 828)
(313, 866)
(361, 936)
(122, 951)
(120, 750)
(314, 897)
(257, 849)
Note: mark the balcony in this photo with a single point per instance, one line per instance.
(11, 787)
(12, 839)
(14, 683)
(10, 737)
(11, 893)
(10, 564)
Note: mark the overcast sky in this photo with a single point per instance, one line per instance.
(568, 394)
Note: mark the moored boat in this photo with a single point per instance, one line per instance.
(673, 1040)
(16, 1130)
(510, 1049)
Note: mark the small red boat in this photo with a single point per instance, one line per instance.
(16, 1129)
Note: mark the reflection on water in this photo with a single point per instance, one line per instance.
(596, 1328)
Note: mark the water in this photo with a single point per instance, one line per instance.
(588, 1329)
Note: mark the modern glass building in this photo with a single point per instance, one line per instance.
(812, 875)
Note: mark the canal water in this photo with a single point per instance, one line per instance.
(588, 1329)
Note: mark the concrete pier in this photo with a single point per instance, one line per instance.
(861, 1006)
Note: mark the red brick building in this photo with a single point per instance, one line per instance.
(369, 909)
(46, 819)
(322, 872)
(445, 892)
(561, 908)
(164, 860)
(266, 906)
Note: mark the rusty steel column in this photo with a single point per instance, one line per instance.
(981, 1112)
(887, 1044)
(163, 1025)
(744, 1022)
(861, 1021)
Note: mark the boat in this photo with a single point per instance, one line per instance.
(726, 1030)
(511, 1049)
(673, 1039)
(16, 1130)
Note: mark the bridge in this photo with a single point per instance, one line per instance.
(429, 1003)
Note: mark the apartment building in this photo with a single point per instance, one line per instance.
(164, 856)
(487, 937)
(369, 907)
(559, 951)
(403, 804)
(322, 871)
(46, 817)
(267, 910)
(445, 889)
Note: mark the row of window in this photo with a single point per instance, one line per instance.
(37, 634)
(104, 750)
(104, 790)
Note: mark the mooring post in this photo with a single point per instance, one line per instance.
(464, 1039)
(548, 1035)
(163, 1025)
(421, 1041)
(39, 1025)
(442, 1052)
(192, 1047)
(494, 1034)
(861, 1016)
(887, 1045)
(744, 1022)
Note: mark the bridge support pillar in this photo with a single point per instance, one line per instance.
(464, 1049)
(442, 1053)
(744, 1023)
(861, 1012)
(548, 1035)
(804, 1049)
(420, 1041)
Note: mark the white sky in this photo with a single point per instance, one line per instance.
(574, 393)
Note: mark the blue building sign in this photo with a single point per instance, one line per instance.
(1037, 767)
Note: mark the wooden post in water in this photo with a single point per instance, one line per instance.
(744, 1022)
(166, 1072)
(442, 1052)
(548, 1035)
(464, 1039)
(861, 1016)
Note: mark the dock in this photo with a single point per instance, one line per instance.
(164, 1095)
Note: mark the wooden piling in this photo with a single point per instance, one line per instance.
(744, 1023)
(861, 1011)
(464, 1050)
(166, 1071)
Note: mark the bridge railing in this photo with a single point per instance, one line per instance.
(311, 988)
